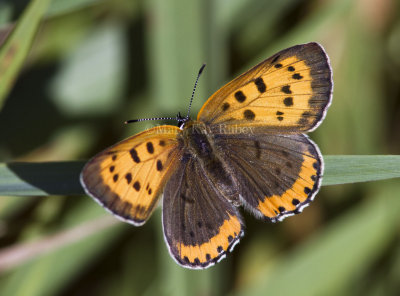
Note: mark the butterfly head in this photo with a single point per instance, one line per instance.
(182, 120)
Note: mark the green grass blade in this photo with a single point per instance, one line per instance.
(16, 47)
(343, 169)
(39, 179)
(62, 178)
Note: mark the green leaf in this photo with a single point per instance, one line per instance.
(16, 47)
(62, 178)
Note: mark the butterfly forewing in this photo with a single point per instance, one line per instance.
(278, 175)
(200, 225)
(127, 178)
(288, 92)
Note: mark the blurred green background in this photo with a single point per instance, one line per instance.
(96, 63)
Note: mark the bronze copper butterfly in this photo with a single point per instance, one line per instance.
(246, 148)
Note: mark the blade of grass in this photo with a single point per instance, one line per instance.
(62, 178)
(343, 169)
(39, 179)
(16, 47)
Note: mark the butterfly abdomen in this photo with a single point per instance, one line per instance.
(200, 145)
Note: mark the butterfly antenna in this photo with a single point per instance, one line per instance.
(149, 119)
(194, 89)
(181, 120)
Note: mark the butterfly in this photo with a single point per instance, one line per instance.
(246, 148)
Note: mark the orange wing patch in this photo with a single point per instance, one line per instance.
(289, 91)
(128, 177)
(206, 254)
(302, 192)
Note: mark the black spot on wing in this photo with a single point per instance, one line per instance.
(279, 115)
(136, 185)
(128, 178)
(297, 76)
(248, 114)
(240, 97)
(261, 87)
(225, 106)
(159, 165)
(288, 101)
(286, 89)
(115, 178)
(134, 155)
(150, 147)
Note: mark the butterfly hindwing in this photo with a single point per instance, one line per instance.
(278, 175)
(200, 226)
(128, 177)
(290, 91)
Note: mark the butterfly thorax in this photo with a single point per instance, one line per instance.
(197, 140)
(198, 143)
